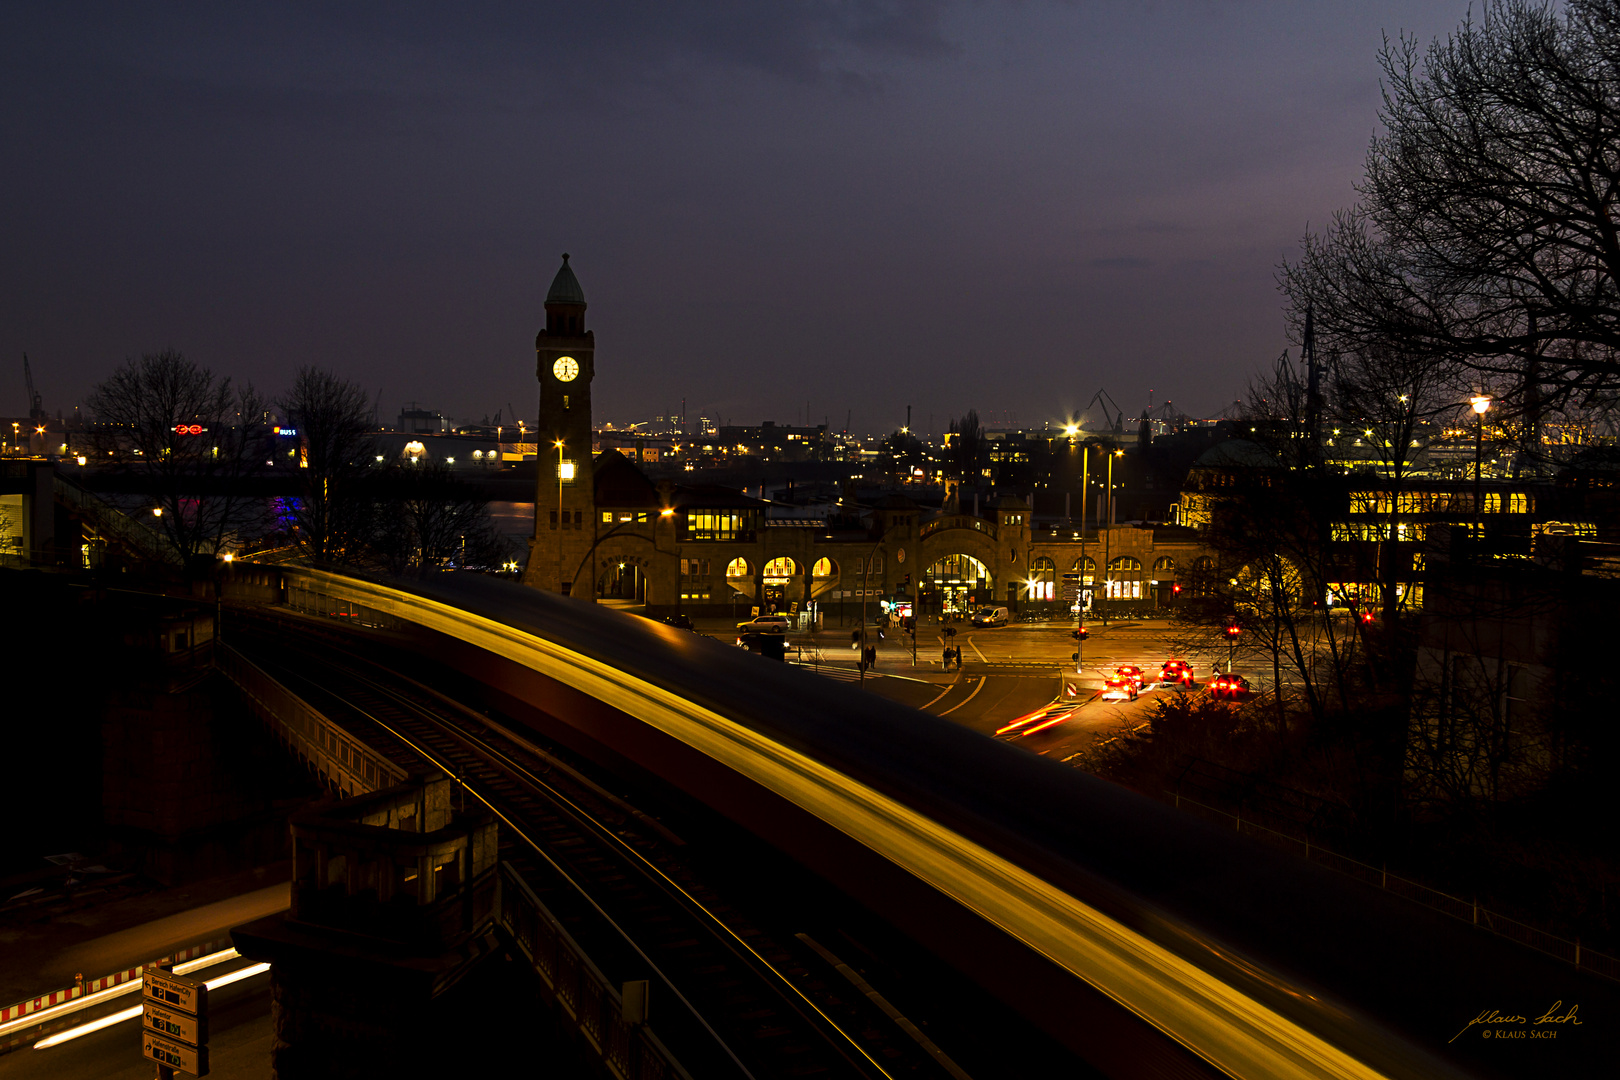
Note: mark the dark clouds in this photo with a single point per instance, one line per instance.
(860, 205)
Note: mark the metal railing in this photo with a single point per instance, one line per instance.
(629, 1049)
(336, 756)
(1470, 911)
(113, 522)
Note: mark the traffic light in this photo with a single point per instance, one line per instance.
(1080, 634)
(1175, 589)
(1233, 630)
(1366, 617)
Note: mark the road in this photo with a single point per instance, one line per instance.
(1009, 672)
(239, 1039)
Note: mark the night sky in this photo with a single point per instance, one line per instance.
(856, 205)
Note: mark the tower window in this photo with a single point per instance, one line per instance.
(553, 519)
(565, 401)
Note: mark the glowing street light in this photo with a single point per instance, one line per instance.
(559, 445)
(1479, 403)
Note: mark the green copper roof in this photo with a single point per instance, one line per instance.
(565, 287)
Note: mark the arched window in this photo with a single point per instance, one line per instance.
(823, 568)
(1086, 568)
(780, 569)
(1164, 568)
(1042, 579)
(737, 568)
(1124, 579)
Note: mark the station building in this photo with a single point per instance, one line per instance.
(604, 530)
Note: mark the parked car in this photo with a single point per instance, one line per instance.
(767, 624)
(681, 622)
(991, 616)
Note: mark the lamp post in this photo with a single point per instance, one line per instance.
(1107, 536)
(559, 445)
(1480, 403)
(1080, 596)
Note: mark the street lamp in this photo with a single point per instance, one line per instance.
(1108, 536)
(559, 445)
(1480, 403)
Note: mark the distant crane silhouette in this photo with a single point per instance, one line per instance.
(1116, 422)
(36, 409)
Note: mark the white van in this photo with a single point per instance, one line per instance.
(991, 616)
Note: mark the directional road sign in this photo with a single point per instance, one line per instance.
(175, 1055)
(175, 1025)
(175, 992)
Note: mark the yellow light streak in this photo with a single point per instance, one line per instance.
(1220, 1023)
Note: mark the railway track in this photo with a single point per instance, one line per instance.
(729, 998)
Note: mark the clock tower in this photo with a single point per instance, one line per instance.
(564, 503)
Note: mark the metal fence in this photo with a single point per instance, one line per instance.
(629, 1049)
(1467, 910)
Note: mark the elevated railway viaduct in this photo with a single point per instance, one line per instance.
(1145, 942)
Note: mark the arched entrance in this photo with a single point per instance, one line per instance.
(778, 578)
(1042, 584)
(956, 584)
(740, 578)
(1124, 579)
(1164, 580)
(623, 581)
(824, 577)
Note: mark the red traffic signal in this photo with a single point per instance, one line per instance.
(1176, 588)
(1233, 630)
(1366, 616)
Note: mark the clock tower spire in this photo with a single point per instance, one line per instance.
(564, 505)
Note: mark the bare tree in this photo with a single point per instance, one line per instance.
(334, 508)
(1486, 231)
(188, 439)
(430, 519)
(1385, 406)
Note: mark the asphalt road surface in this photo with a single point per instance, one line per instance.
(1009, 672)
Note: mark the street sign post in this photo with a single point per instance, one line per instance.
(174, 1023)
(174, 1055)
(175, 992)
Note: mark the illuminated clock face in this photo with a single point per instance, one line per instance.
(566, 369)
